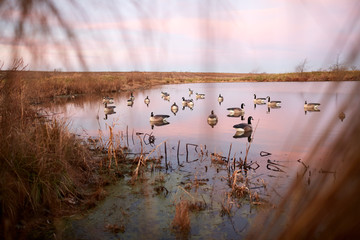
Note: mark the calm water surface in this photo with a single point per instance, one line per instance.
(287, 132)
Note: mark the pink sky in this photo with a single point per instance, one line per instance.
(186, 35)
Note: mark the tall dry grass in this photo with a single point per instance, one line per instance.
(44, 169)
(181, 221)
(40, 86)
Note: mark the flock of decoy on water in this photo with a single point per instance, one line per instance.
(242, 129)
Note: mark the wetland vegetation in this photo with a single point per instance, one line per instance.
(48, 172)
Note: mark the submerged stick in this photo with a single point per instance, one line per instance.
(228, 158)
(132, 136)
(166, 166)
(248, 147)
(142, 147)
(178, 152)
(229, 151)
(127, 135)
(187, 153)
(187, 150)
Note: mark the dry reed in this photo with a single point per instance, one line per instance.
(181, 221)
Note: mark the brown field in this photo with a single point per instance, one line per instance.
(38, 86)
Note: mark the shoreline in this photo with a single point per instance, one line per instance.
(38, 85)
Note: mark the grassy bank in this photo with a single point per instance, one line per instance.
(37, 86)
(45, 171)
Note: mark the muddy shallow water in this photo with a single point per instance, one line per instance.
(147, 208)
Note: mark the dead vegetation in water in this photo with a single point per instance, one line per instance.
(181, 221)
(115, 228)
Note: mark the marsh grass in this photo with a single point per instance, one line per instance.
(181, 221)
(38, 86)
(44, 169)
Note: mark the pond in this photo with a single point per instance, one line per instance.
(282, 137)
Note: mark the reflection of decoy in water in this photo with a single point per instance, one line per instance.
(311, 107)
(342, 116)
(190, 92)
(200, 95)
(106, 115)
(236, 111)
(220, 99)
(130, 102)
(313, 110)
(163, 94)
(243, 135)
(158, 124)
(158, 120)
(108, 110)
(273, 107)
(167, 98)
(174, 108)
(259, 100)
(212, 119)
(273, 103)
(108, 100)
(147, 100)
(244, 127)
(132, 98)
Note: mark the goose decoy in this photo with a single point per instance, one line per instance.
(259, 100)
(212, 119)
(147, 100)
(165, 96)
(132, 96)
(108, 100)
(185, 102)
(244, 127)
(158, 118)
(273, 103)
(190, 92)
(220, 99)
(342, 116)
(311, 106)
(236, 111)
(200, 95)
(174, 108)
(190, 104)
